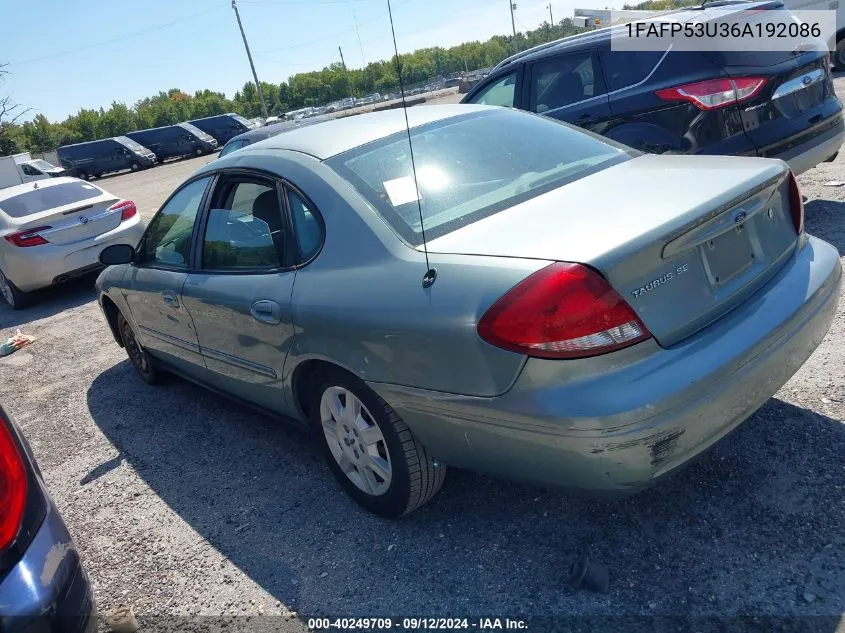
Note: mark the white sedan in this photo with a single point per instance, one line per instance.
(54, 230)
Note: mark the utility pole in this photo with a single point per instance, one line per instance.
(551, 17)
(345, 72)
(251, 65)
(513, 25)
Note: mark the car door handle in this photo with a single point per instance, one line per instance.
(168, 298)
(266, 311)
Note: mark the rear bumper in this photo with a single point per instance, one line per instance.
(48, 590)
(618, 422)
(41, 266)
(815, 151)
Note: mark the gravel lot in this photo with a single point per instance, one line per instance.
(183, 505)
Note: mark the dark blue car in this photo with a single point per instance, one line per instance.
(774, 104)
(42, 584)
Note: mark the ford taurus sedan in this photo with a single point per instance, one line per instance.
(524, 298)
(54, 230)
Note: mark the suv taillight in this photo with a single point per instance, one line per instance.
(127, 209)
(715, 93)
(13, 487)
(562, 311)
(796, 204)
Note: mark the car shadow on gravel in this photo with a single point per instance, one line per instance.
(826, 219)
(753, 527)
(51, 301)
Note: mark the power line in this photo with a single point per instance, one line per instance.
(122, 38)
(333, 35)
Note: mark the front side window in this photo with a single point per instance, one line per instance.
(500, 93)
(245, 230)
(469, 167)
(168, 238)
(562, 81)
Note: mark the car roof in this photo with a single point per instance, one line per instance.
(16, 190)
(327, 139)
(259, 134)
(593, 38)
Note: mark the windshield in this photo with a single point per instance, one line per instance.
(193, 129)
(43, 198)
(470, 167)
(240, 119)
(128, 142)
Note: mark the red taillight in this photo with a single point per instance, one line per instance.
(127, 209)
(715, 93)
(796, 204)
(13, 487)
(562, 311)
(28, 237)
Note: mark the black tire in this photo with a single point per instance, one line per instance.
(839, 55)
(134, 167)
(98, 176)
(141, 360)
(82, 175)
(415, 478)
(14, 297)
(199, 151)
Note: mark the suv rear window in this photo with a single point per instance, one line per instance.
(625, 68)
(469, 167)
(43, 198)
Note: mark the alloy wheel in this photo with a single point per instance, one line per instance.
(355, 441)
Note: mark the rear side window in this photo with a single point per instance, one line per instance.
(626, 68)
(562, 81)
(43, 198)
(469, 167)
(502, 92)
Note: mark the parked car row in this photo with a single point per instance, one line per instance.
(144, 148)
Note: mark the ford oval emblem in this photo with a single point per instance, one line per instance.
(740, 217)
(83, 219)
(807, 80)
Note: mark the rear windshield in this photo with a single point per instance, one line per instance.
(43, 198)
(42, 164)
(471, 166)
(128, 142)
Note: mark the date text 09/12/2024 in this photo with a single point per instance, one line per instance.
(416, 624)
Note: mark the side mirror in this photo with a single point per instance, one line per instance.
(117, 254)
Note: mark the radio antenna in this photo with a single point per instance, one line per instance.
(430, 273)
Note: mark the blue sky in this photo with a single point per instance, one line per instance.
(194, 44)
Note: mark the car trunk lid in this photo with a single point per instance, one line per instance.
(710, 233)
(797, 103)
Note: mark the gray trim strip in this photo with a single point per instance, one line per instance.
(173, 340)
(223, 357)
